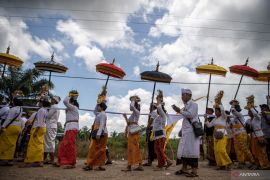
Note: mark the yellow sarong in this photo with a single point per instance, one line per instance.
(221, 156)
(8, 140)
(35, 149)
(241, 148)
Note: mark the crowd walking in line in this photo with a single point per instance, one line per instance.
(230, 138)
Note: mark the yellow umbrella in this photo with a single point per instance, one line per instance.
(10, 60)
(265, 77)
(211, 69)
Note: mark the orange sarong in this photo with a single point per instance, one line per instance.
(97, 152)
(259, 153)
(134, 153)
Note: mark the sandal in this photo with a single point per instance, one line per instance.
(68, 166)
(25, 166)
(126, 170)
(169, 163)
(87, 168)
(147, 164)
(158, 169)
(56, 164)
(192, 174)
(181, 172)
(100, 169)
(37, 165)
(7, 164)
(138, 169)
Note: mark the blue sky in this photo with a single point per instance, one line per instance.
(178, 34)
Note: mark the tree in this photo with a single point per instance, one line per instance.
(29, 81)
(84, 133)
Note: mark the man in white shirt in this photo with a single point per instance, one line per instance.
(51, 127)
(189, 146)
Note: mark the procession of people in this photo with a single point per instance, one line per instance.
(225, 132)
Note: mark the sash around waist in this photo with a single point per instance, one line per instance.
(71, 121)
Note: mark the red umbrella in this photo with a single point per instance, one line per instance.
(243, 70)
(110, 70)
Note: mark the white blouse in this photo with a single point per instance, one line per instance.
(134, 117)
(256, 124)
(4, 112)
(101, 119)
(40, 120)
(14, 112)
(219, 121)
(237, 117)
(72, 113)
(159, 122)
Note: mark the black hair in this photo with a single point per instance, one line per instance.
(103, 106)
(218, 109)
(237, 108)
(46, 103)
(227, 112)
(137, 106)
(153, 107)
(264, 106)
(74, 102)
(17, 102)
(210, 109)
(163, 108)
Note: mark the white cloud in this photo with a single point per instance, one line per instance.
(23, 44)
(136, 71)
(91, 55)
(179, 57)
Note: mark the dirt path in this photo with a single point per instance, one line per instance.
(112, 172)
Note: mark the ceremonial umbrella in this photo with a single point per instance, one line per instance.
(155, 76)
(50, 66)
(265, 76)
(110, 70)
(243, 70)
(210, 69)
(10, 60)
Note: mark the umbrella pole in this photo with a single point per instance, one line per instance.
(153, 96)
(107, 82)
(238, 87)
(209, 85)
(50, 79)
(268, 98)
(4, 68)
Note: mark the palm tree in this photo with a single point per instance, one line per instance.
(29, 81)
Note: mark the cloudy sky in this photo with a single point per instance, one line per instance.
(180, 34)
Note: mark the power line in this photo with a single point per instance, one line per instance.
(107, 112)
(138, 23)
(146, 32)
(144, 81)
(118, 12)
